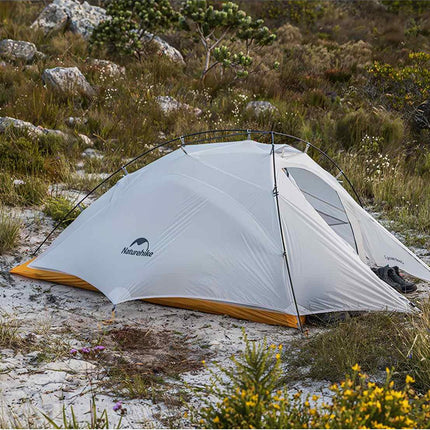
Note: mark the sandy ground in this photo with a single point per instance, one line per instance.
(53, 313)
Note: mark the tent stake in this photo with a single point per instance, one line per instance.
(281, 230)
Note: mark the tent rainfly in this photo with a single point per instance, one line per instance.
(253, 230)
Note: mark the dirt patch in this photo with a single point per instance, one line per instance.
(140, 360)
(157, 351)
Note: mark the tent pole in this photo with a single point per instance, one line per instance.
(284, 248)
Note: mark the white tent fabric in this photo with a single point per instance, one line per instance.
(203, 224)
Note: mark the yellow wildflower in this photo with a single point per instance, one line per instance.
(280, 347)
(356, 368)
(278, 356)
(203, 362)
(216, 419)
(185, 414)
(409, 379)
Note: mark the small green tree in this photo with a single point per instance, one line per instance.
(213, 26)
(130, 22)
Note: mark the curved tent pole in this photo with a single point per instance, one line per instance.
(230, 133)
(281, 230)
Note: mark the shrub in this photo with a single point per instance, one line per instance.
(213, 26)
(58, 209)
(247, 396)
(9, 231)
(130, 21)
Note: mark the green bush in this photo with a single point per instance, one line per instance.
(58, 207)
(129, 22)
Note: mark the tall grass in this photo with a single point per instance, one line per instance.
(9, 231)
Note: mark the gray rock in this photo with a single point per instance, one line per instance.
(107, 68)
(18, 50)
(80, 18)
(73, 121)
(67, 80)
(92, 153)
(164, 48)
(261, 107)
(86, 140)
(169, 104)
(8, 122)
(33, 131)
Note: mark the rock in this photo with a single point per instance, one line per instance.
(8, 122)
(33, 131)
(164, 48)
(260, 107)
(80, 18)
(73, 121)
(67, 80)
(169, 104)
(86, 140)
(18, 50)
(92, 153)
(107, 67)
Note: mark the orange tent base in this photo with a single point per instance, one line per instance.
(241, 312)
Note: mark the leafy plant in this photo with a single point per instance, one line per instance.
(131, 22)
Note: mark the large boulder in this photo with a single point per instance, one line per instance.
(18, 50)
(80, 18)
(7, 122)
(67, 80)
(164, 48)
(260, 107)
(168, 105)
(106, 67)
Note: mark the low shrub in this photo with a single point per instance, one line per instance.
(248, 396)
(58, 208)
(9, 231)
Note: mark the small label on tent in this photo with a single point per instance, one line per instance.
(139, 247)
(394, 259)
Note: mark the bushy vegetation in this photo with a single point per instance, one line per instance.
(248, 395)
(339, 87)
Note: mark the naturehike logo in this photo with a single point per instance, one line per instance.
(141, 243)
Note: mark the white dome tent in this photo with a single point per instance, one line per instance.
(255, 230)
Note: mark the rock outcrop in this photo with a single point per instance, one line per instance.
(169, 104)
(164, 48)
(80, 18)
(7, 122)
(18, 50)
(260, 107)
(106, 67)
(67, 80)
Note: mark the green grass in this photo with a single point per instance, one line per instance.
(375, 341)
(9, 231)
(372, 340)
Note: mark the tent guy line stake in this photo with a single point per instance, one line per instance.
(281, 230)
